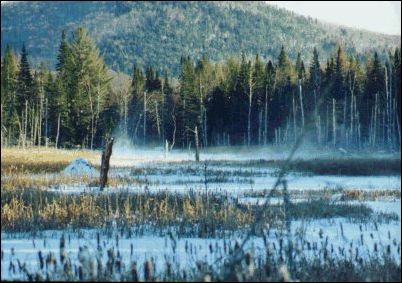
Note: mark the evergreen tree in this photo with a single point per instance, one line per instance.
(285, 70)
(338, 90)
(239, 104)
(190, 112)
(374, 92)
(24, 82)
(9, 71)
(312, 101)
(258, 100)
(270, 90)
(135, 109)
(89, 88)
(64, 55)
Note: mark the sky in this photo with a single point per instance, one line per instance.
(378, 16)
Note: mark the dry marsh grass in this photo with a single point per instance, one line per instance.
(198, 214)
(41, 160)
(299, 259)
(22, 180)
(342, 194)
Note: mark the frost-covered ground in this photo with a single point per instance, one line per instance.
(228, 178)
(126, 155)
(342, 237)
(153, 171)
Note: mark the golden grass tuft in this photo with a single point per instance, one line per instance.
(41, 160)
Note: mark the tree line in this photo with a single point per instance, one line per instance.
(65, 108)
(241, 101)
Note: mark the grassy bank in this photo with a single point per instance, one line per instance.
(41, 160)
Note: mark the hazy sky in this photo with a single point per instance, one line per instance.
(379, 16)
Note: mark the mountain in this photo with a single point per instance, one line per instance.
(159, 33)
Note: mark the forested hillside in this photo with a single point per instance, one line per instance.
(243, 100)
(159, 33)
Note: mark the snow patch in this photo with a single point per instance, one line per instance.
(80, 167)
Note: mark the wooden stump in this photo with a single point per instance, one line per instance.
(107, 152)
(197, 149)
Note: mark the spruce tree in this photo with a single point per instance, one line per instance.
(9, 71)
(24, 82)
(89, 88)
(189, 100)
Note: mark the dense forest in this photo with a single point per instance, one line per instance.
(158, 33)
(339, 102)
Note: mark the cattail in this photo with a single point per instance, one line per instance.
(67, 267)
(92, 272)
(11, 267)
(41, 261)
(148, 270)
(248, 259)
(341, 229)
(168, 269)
(48, 260)
(110, 261)
(38, 277)
(184, 275)
(98, 240)
(62, 252)
(237, 246)
(99, 265)
(80, 273)
(134, 273)
(118, 265)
